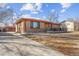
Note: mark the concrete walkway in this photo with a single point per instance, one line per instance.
(17, 45)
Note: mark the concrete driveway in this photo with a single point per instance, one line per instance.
(16, 45)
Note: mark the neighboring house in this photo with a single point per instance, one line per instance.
(24, 25)
(70, 25)
(10, 28)
(6, 28)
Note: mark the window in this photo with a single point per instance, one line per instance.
(35, 24)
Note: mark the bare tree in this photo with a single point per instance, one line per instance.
(53, 16)
(6, 16)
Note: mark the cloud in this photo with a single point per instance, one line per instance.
(53, 10)
(27, 7)
(38, 6)
(32, 7)
(44, 17)
(26, 16)
(2, 5)
(47, 5)
(35, 12)
(65, 6)
(8, 7)
(63, 10)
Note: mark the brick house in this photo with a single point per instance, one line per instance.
(24, 25)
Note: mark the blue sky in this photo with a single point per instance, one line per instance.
(42, 10)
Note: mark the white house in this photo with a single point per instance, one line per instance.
(68, 25)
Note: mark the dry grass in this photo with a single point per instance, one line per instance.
(64, 45)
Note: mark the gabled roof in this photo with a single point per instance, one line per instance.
(35, 20)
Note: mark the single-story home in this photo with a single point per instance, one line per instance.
(24, 25)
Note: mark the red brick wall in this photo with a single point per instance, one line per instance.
(42, 23)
